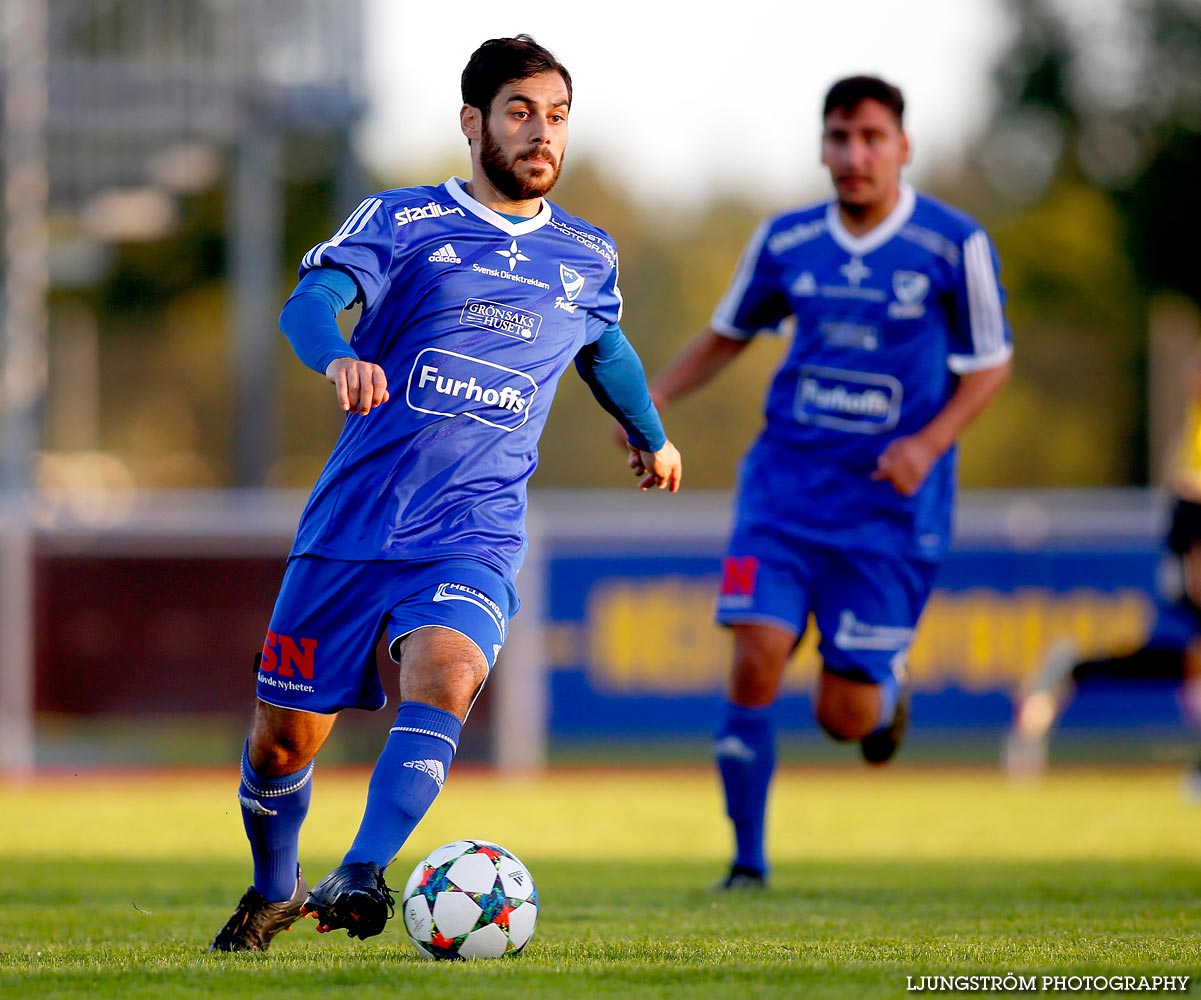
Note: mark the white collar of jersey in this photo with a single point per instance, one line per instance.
(454, 188)
(877, 236)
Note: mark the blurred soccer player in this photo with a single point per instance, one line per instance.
(1171, 653)
(844, 502)
(476, 296)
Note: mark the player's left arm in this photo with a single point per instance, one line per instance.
(613, 371)
(907, 461)
(980, 352)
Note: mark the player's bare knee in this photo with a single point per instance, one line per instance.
(441, 668)
(841, 725)
(282, 741)
(845, 709)
(273, 756)
(755, 677)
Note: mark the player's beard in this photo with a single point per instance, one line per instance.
(502, 173)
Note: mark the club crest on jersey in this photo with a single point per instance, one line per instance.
(573, 284)
(511, 321)
(910, 288)
(452, 385)
(431, 211)
(858, 402)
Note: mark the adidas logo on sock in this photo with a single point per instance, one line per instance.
(431, 767)
(446, 254)
(732, 747)
(255, 806)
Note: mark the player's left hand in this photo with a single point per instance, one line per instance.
(905, 463)
(361, 385)
(660, 469)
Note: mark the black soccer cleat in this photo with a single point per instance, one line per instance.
(880, 745)
(353, 896)
(255, 921)
(742, 879)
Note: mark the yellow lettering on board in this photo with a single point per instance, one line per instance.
(657, 636)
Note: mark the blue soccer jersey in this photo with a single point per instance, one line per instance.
(882, 325)
(473, 319)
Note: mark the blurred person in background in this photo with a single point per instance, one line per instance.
(476, 297)
(843, 511)
(1171, 653)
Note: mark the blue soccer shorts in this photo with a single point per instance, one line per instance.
(866, 605)
(320, 652)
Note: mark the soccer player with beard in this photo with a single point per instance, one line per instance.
(844, 502)
(476, 296)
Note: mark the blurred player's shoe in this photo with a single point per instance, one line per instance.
(880, 745)
(255, 921)
(1036, 710)
(742, 879)
(354, 896)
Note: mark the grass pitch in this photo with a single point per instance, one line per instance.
(113, 886)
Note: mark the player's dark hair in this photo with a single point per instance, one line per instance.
(847, 94)
(501, 60)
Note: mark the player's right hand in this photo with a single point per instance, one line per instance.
(361, 385)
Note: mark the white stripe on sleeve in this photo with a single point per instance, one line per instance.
(355, 223)
(727, 308)
(984, 297)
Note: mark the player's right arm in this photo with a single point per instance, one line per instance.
(309, 321)
(700, 360)
(751, 303)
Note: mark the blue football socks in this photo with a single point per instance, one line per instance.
(407, 778)
(890, 694)
(273, 810)
(745, 749)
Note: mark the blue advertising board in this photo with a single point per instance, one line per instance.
(632, 650)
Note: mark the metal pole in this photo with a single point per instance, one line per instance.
(26, 191)
(255, 233)
(520, 705)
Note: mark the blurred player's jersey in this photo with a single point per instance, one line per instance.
(882, 325)
(473, 318)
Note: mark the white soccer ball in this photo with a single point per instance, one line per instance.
(470, 899)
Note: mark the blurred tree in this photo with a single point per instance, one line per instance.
(1095, 150)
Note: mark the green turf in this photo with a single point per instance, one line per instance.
(112, 887)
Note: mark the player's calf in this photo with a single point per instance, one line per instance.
(881, 744)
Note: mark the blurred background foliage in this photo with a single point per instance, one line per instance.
(1087, 179)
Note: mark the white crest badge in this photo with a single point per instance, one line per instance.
(573, 282)
(910, 288)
